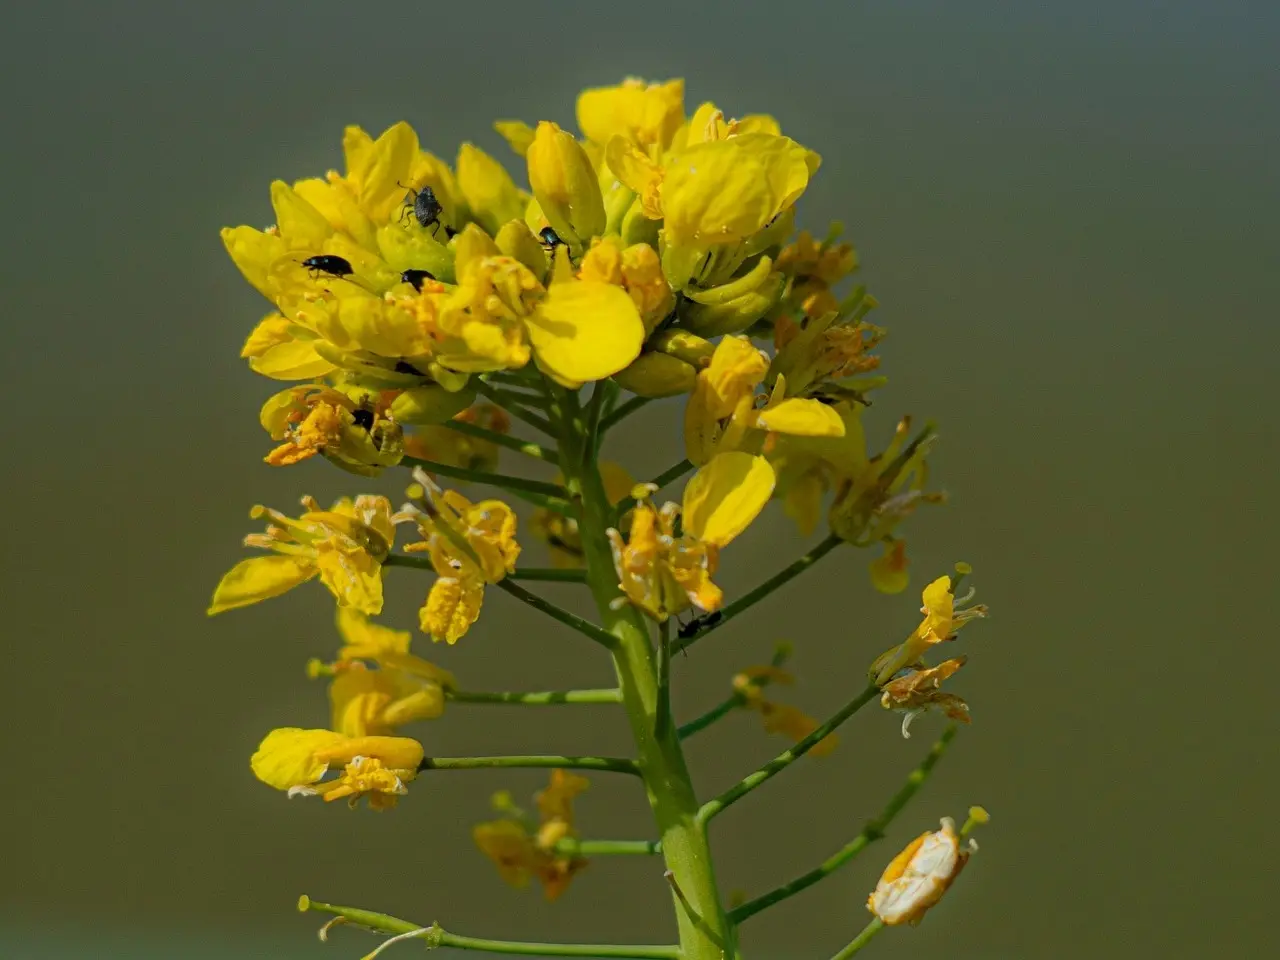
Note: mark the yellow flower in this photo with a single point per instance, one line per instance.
(917, 878)
(780, 718)
(560, 532)
(273, 351)
(919, 690)
(565, 186)
(646, 114)
(661, 573)
(726, 495)
(469, 545)
(500, 313)
(637, 270)
(359, 437)
(344, 545)
(520, 851)
(941, 621)
(297, 760)
(403, 687)
(443, 445)
(814, 269)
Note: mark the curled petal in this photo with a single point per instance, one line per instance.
(352, 575)
(260, 578)
(287, 756)
(452, 606)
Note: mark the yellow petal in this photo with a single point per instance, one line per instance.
(641, 175)
(646, 113)
(270, 331)
(715, 193)
(889, 572)
(301, 224)
(585, 330)
(287, 756)
(726, 495)
(383, 167)
(260, 578)
(254, 252)
(358, 699)
(365, 639)
(517, 133)
(352, 575)
(452, 606)
(295, 360)
(488, 188)
(564, 184)
(398, 753)
(802, 418)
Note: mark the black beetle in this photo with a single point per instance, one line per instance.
(414, 278)
(328, 263)
(363, 417)
(423, 205)
(550, 239)
(695, 626)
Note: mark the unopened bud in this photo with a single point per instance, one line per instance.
(565, 185)
(657, 375)
(430, 404)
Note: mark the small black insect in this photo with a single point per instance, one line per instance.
(695, 626)
(423, 205)
(550, 239)
(404, 366)
(328, 263)
(363, 418)
(415, 277)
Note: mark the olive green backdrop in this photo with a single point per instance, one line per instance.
(1069, 213)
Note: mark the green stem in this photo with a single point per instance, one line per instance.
(514, 407)
(719, 804)
(503, 440)
(750, 599)
(662, 723)
(704, 932)
(608, 848)
(873, 831)
(623, 411)
(860, 941)
(537, 492)
(548, 574)
(609, 764)
(698, 724)
(394, 926)
(595, 410)
(584, 627)
(535, 698)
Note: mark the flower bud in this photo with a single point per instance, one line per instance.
(430, 404)
(689, 347)
(657, 375)
(564, 184)
(734, 306)
(517, 241)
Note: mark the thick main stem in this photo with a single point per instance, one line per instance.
(704, 931)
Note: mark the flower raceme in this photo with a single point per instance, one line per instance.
(419, 309)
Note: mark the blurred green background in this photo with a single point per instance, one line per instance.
(1069, 214)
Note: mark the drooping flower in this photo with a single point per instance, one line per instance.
(941, 621)
(920, 690)
(661, 573)
(378, 685)
(522, 849)
(917, 878)
(469, 545)
(344, 545)
(358, 436)
(298, 761)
